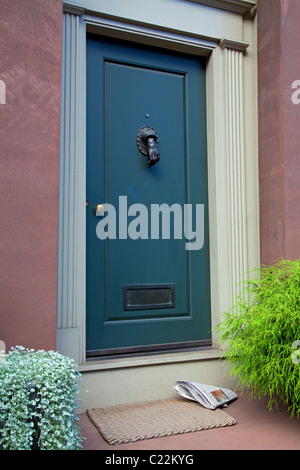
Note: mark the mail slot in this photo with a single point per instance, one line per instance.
(148, 296)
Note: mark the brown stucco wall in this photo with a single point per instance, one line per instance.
(31, 41)
(279, 136)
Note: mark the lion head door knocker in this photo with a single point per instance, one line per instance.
(147, 142)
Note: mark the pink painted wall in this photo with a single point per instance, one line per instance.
(31, 42)
(279, 136)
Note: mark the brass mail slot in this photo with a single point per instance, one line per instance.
(148, 296)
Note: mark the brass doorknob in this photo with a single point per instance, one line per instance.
(99, 208)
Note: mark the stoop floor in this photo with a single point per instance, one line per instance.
(256, 429)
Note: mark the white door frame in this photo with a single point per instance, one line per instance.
(232, 161)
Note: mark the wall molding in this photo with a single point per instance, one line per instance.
(235, 6)
(234, 45)
(73, 10)
(145, 34)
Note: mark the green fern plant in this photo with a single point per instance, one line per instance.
(262, 335)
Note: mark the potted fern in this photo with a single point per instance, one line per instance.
(262, 335)
(38, 401)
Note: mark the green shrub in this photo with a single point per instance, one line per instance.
(262, 335)
(38, 401)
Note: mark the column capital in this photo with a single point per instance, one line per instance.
(233, 45)
(73, 10)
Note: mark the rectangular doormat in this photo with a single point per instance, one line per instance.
(130, 423)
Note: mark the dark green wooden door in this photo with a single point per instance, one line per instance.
(147, 282)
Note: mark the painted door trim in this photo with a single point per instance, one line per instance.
(232, 202)
(237, 6)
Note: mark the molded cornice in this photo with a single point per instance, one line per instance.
(234, 45)
(235, 6)
(73, 10)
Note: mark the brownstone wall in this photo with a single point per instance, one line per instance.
(30, 67)
(279, 136)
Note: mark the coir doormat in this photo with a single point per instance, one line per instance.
(138, 421)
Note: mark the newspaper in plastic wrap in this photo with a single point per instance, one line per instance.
(207, 395)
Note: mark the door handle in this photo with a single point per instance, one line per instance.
(98, 209)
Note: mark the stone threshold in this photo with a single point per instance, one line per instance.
(203, 354)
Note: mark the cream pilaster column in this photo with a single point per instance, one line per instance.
(236, 158)
(71, 256)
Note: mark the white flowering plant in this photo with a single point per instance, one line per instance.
(38, 401)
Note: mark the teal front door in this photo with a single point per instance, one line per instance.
(147, 239)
